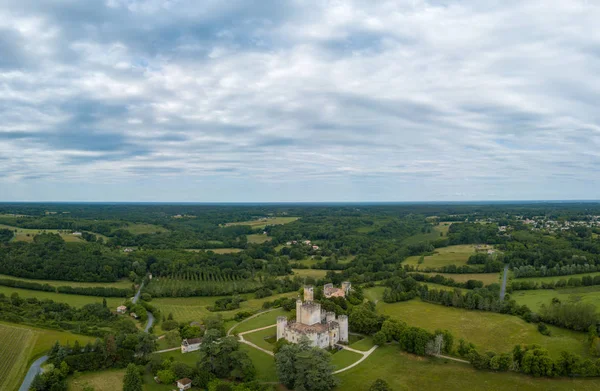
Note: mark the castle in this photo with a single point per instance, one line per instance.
(330, 291)
(320, 327)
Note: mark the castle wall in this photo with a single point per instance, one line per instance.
(343, 322)
(281, 325)
(311, 313)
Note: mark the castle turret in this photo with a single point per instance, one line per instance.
(323, 315)
(298, 310)
(330, 316)
(346, 286)
(281, 325)
(308, 293)
(343, 322)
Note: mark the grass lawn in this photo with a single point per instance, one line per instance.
(110, 380)
(315, 273)
(122, 284)
(73, 300)
(139, 229)
(186, 358)
(264, 364)
(26, 234)
(188, 309)
(486, 278)
(556, 278)
(262, 223)
(487, 330)
(364, 344)
(259, 338)
(444, 256)
(535, 298)
(258, 238)
(263, 320)
(225, 250)
(374, 294)
(20, 345)
(407, 372)
(343, 358)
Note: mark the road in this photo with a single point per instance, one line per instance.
(137, 295)
(503, 290)
(150, 316)
(34, 369)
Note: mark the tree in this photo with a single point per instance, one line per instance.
(132, 380)
(379, 338)
(380, 385)
(303, 367)
(173, 338)
(166, 376)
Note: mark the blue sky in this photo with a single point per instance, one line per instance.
(299, 100)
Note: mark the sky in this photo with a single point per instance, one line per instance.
(299, 100)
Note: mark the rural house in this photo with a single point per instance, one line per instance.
(121, 309)
(184, 384)
(190, 345)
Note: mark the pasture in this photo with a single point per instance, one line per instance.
(73, 300)
(556, 278)
(26, 234)
(444, 256)
(258, 238)
(121, 284)
(109, 380)
(262, 223)
(20, 345)
(487, 330)
(404, 371)
(486, 278)
(189, 309)
(535, 298)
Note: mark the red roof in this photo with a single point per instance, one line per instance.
(184, 381)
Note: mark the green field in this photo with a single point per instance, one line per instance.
(26, 234)
(535, 298)
(343, 358)
(486, 278)
(444, 256)
(404, 371)
(110, 380)
(264, 364)
(258, 238)
(556, 278)
(259, 338)
(122, 284)
(262, 223)
(487, 330)
(262, 320)
(139, 229)
(429, 237)
(315, 273)
(74, 300)
(20, 345)
(188, 309)
(225, 250)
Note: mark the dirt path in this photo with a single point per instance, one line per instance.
(363, 358)
(452, 358)
(247, 319)
(167, 350)
(242, 340)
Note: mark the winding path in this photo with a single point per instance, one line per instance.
(242, 340)
(247, 319)
(363, 358)
(34, 369)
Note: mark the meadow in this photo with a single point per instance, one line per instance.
(314, 273)
(262, 223)
(487, 330)
(189, 309)
(258, 238)
(437, 232)
(444, 256)
(73, 300)
(404, 371)
(535, 298)
(20, 345)
(110, 380)
(26, 234)
(556, 278)
(122, 284)
(486, 278)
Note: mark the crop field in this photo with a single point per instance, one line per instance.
(404, 371)
(556, 278)
(122, 284)
(486, 278)
(258, 238)
(189, 309)
(487, 330)
(19, 345)
(110, 380)
(262, 223)
(26, 234)
(139, 229)
(535, 298)
(444, 256)
(208, 283)
(73, 300)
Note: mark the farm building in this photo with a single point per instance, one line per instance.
(77, 233)
(190, 345)
(320, 327)
(121, 309)
(184, 384)
(330, 291)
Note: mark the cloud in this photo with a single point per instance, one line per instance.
(172, 100)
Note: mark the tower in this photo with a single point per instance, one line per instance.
(343, 322)
(281, 325)
(308, 293)
(298, 310)
(346, 286)
(330, 316)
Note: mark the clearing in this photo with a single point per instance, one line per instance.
(121, 284)
(20, 345)
(262, 223)
(486, 278)
(444, 256)
(258, 238)
(437, 232)
(314, 273)
(27, 234)
(109, 380)
(404, 371)
(487, 330)
(535, 298)
(73, 300)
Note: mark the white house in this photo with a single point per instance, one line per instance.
(190, 345)
(121, 309)
(184, 384)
